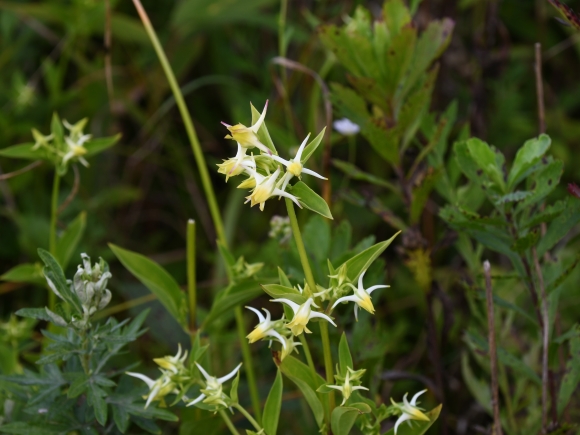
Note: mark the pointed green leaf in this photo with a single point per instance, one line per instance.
(343, 417)
(344, 356)
(280, 291)
(273, 406)
(235, 294)
(54, 273)
(527, 157)
(362, 261)
(309, 199)
(312, 146)
(27, 272)
(24, 151)
(156, 279)
(97, 146)
(263, 134)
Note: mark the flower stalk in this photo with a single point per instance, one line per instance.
(52, 229)
(205, 180)
(191, 285)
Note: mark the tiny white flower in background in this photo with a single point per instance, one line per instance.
(75, 150)
(346, 389)
(361, 297)
(409, 410)
(212, 393)
(294, 167)
(247, 137)
(76, 131)
(266, 188)
(302, 314)
(173, 363)
(264, 328)
(346, 127)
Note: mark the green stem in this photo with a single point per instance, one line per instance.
(191, 287)
(312, 284)
(248, 416)
(205, 180)
(282, 53)
(247, 356)
(301, 249)
(228, 422)
(52, 229)
(307, 353)
(328, 367)
(186, 117)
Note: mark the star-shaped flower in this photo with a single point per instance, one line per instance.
(264, 328)
(294, 167)
(361, 297)
(173, 363)
(247, 137)
(212, 394)
(159, 388)
(346, 388)
(302, 315)
(409, 410)
(266, 188)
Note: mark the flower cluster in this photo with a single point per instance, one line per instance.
(176, 379)
(264, 172)
(90, 286)
(349, 383)
(73, 148)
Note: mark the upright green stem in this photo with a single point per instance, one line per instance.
(307, 353)
(312, 284)
(191, 287)
(248, 416)
(254, 396)
(228, 422)
(52, 230)
(301, 249)
(282, 53)
(184, 111)
(205, 180)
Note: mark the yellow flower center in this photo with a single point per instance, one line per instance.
(365, 301)
(295, 168)
(79, 150)
(243, 135)
(258, 333)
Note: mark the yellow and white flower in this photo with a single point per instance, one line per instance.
(346, 388)
(302, 315)
(247, 137)
(294, 167)
(409, 410)
(174, 364)
(266, 188)
(41, 140)
(289, 347)
(236, 165)
(159, 388)
(264, 328)
(361, 297)
(213, 393)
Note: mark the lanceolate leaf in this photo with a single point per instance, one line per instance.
(273, 406)
(234, 295)
(343, 417)
(156, 279)
(308, 383)
(54, 273)
(361, 262)
(97, 146)
(309, 199)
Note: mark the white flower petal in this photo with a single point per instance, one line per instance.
(258, 313)
(150, 382)
(415, 397)
(295, 307)
(321, 316)
(402, 418)
(351, 298)
(375, 287)
(196, 400)
(229, 375)
(203, 372)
